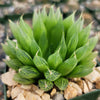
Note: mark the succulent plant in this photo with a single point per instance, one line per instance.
(54, 50)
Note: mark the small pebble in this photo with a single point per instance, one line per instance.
(58, 96)
(53, 92)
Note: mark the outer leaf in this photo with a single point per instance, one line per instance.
(74, 29)
(61, 83)
(79, 72)
(9, 48)
(34, 48)
(67, 66)
(5, 47)
(45, 85)
(24, 57)
(80, 52)
(72, 44)
(11, 43)
(83, 36)
(28, 72)
(63, 48)
(90, 63)
(68, 21)
(26, 28)
(12, 46)
(14, 29)
(22, 80)
(22, 38)
(90, 57)
(84, 51)
(19, 46)
(52, 75)
(40, 63)
(55, 59)
(9, 51)
(55, 35)
(13, 63)
(92, 43)
(82, 70)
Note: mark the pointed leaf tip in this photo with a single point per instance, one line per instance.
(45, 84)
(61, 83)
(52, 75)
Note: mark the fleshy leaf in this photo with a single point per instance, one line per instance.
(51, 20)
(26, 28)
(40, 63)
(55, 59)
(68, 22)
(89, 64)
(74, 29)
(63, 47)
(44, 15)
(52, 75)
(80, 52)
(61, 83)
(67, 66)
(38, 28)
(14, 29)
(10, 49)
(84, 51)
(34, 19)
(55, 35)
(24, 57)
(58, 14)
(28, 72)
(13, 63)
(35, 48)
(11, 43)
(22, 80)
(82, 70)
(89, 57)
(43, 42)
(7, 50)
(22, 38)
(45, 84)
(12, 46)
(83, 36)
(92, 43)
(47, 54)
(72, 44)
